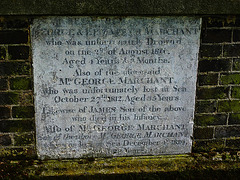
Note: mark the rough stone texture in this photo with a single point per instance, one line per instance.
(117, 7)
(108, 89)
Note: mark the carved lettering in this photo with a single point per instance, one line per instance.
(114, 86)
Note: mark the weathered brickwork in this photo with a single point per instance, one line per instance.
(17, 126)
(217, 117)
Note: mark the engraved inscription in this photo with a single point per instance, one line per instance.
(114, 86)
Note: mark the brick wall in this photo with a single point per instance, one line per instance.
(217, 119)
(16, 89)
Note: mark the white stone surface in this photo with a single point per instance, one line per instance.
(114, 86)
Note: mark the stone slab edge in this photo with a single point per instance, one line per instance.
(118, 7)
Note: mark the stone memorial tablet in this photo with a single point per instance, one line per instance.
(114, 86)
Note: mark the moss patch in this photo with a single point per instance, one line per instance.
(229, 106)
(8, 153)
(216, 119)
(234, 119)
(202, 165)
(23, 139)
(212, 93)
(20, 83)
(208, 145)
(230, 78)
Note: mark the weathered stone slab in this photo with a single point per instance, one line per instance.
(119, 7)
(114, 86)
